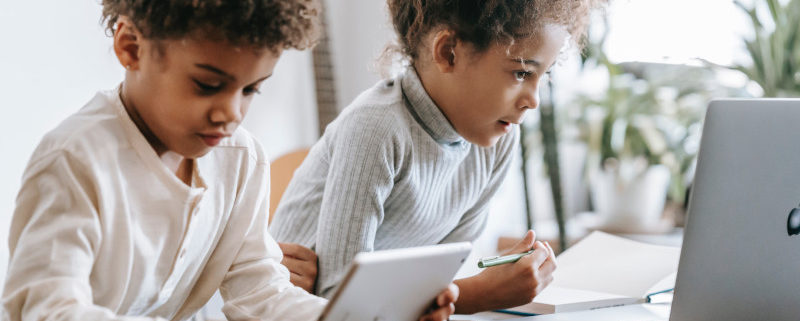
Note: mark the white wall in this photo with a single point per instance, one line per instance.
(55, 56)
(359, 31)
(677, 30)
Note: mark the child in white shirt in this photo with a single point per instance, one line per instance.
(150, 198)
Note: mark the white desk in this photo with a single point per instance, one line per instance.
(638, 312)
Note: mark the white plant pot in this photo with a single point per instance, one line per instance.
(632, 204)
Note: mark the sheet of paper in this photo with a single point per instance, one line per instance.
(556, 299)
(602, 262)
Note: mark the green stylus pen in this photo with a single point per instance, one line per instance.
(497, 260)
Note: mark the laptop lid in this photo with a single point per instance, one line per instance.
(739, 260)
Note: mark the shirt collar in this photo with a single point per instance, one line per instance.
(148, 154)
(425, 111)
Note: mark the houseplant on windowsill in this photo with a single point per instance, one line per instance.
(774, 47)
(643, 135)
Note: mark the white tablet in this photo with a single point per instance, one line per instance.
(395, 284)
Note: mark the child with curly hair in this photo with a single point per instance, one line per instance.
(150, 198)
(415, 159)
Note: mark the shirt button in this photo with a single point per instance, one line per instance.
(183, 253)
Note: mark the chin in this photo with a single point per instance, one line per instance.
(487, 141)
(193, 153)
(199, 154)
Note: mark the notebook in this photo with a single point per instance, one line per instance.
(604, 270)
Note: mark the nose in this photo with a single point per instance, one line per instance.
(227, 110)
(529, 98)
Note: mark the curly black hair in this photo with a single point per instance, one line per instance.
(273, 24)
(485, 22)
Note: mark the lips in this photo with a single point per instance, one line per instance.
(515, 121)
(212, 139)
(505, 126)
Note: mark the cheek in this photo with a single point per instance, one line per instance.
(246, 104)
(518, 97)
(499, 100)
(167, 96)
(181, 111)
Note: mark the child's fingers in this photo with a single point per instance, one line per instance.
(548, 267)
(440, 314)
(552, 254)
(304, 268)
(525, 244)
(297, 251)
(535, 259)
(450, 295)
(304, 282)
(539, 255)
(455, 291)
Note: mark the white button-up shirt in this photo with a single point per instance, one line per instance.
(103, 230)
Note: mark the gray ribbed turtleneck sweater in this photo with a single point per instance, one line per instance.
(389, 172)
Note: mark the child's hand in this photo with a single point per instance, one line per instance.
(302, 263)
(514, 284)
(444, 305)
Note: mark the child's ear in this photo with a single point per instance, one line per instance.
(127, 43)
(443, 50)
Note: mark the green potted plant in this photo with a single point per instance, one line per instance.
(774, 47)
(643, 135)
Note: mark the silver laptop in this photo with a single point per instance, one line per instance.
(740, 258)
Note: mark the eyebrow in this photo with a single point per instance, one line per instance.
(225, 74)
(531, 62)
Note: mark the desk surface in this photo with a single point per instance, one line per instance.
(637, 312)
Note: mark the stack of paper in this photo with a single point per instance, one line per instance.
(603, 270)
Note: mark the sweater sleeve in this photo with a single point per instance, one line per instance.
(360, 178)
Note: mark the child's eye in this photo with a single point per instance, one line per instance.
(206, 88)
(247, 91)
(521, 75)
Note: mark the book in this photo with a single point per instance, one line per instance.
(604, 270)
